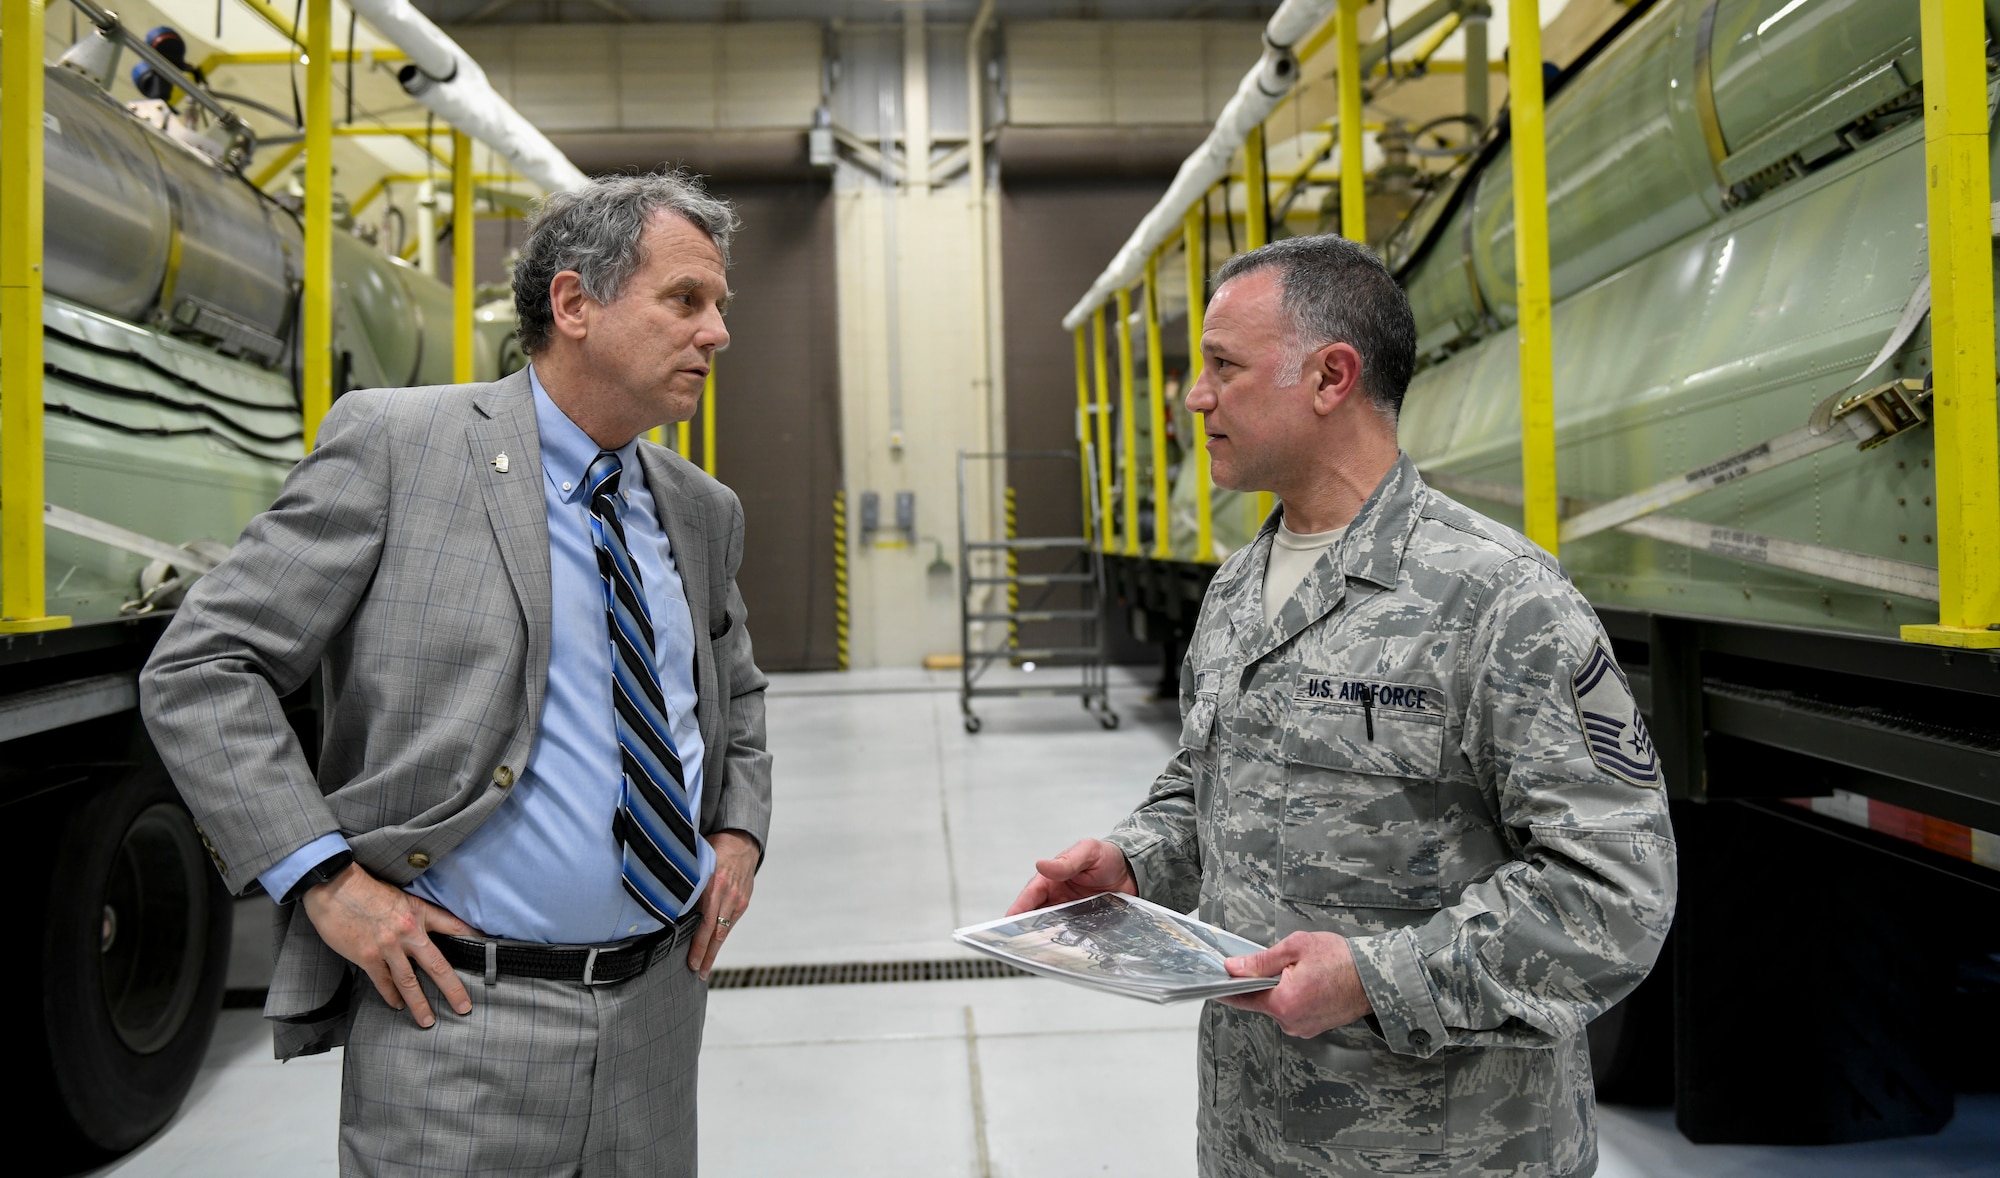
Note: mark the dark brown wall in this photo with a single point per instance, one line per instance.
(1056, 237)
(777, 391)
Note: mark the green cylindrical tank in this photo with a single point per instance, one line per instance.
(1724, 256)
(171, 403)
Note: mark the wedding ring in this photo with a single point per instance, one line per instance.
(722, 922)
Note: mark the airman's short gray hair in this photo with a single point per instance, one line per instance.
(1335, 291)
(598, 231)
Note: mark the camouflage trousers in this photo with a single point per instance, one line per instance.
(1343, 1105)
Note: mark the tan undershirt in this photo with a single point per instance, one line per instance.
(1292, 557)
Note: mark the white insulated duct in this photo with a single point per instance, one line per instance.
(1263, 88)
(446, 80)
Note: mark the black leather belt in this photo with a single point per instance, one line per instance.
(589, 965)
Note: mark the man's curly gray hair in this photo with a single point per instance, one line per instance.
(597, 231)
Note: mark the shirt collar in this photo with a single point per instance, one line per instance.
(567, 451)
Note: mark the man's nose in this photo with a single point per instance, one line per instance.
(714, 333)
(1200, 396)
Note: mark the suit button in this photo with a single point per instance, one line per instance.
(503, 777)
(419, 860)
(1418, 1037)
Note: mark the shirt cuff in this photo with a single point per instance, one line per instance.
(279, 878)
(1144, 852)
(1392, 975)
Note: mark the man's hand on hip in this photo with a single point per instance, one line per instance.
(727, 897)
(1089, 867)
(386, 931)
(1319, 987)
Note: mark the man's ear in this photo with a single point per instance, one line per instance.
(570, 305)
(1335, 372)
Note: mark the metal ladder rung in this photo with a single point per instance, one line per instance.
(1046, 652)
(1025, 542)
(1037, 579)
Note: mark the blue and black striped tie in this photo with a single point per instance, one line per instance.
(654, 824)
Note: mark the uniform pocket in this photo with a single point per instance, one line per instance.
(1340, 1090)
(1199, 723)
(1360, 821)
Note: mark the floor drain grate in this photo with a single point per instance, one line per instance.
(855, 973)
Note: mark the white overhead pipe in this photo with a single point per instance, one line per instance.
(1263, 88)
(1261, 91)
(445, 79)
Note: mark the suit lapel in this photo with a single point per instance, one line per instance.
(517, 510)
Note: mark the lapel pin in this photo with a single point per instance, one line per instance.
(500, 462)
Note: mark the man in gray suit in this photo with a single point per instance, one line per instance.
(542, 775)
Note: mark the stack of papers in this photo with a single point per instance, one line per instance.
(1120, 944)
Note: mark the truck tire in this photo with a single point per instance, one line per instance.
(135, 953)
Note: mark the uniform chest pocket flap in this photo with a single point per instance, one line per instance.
(1369, 726)
(1199, 722)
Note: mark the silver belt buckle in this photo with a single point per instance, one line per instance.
(590, 968)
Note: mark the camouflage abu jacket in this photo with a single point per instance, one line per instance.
(1430, 752)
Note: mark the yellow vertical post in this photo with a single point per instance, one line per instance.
(1531, 272)
(1156, 400)
(708, 420)
(1083, 427)
(1353, 196)
(1103, 431)
(1256, 191)
(461, 256)
(316, 361)
(684, 438)
(1256, 226)
(1197, 296)
(23, 555)
(1128, 431)
(1966, 435)
(657, 435)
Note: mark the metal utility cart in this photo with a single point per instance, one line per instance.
(984, 564)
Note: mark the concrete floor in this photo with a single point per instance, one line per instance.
(892, 827)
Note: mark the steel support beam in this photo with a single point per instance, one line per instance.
(1353, 194)
(1197, 302)
(462, 249)
(1531, 270)
(1101, 353)
(708, 419)
(1128, 431)
(23, 548)
(1083, 429)
(316, 352)
(1156, 400)
(1966, 434)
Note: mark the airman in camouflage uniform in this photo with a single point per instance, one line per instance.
(1430, 753)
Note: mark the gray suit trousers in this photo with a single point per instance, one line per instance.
(543, 1078)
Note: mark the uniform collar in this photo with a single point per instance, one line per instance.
(1372, 550)
(567, 451)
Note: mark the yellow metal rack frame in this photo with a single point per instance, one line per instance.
(1965, 432)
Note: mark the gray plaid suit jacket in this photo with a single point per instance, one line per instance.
(415, 575)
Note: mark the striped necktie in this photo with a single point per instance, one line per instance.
(661, 860)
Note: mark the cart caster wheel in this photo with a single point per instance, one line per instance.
(1108, 719)
(972, 723)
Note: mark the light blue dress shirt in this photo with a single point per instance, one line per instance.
(545, 866)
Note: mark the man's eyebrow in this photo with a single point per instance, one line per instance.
(693, 283)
